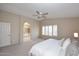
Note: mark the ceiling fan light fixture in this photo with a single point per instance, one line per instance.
(41, 15)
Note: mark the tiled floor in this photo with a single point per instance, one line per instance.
(19, 49)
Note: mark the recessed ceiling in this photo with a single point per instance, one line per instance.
(55, 10)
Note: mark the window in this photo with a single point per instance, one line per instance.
(49, 30)
(54, 30)
(43, 30)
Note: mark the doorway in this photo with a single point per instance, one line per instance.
(26, 32)
(5, 34)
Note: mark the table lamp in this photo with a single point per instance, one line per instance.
(75, 35)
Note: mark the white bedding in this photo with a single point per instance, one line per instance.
(50, 47)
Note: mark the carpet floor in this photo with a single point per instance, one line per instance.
(18, 49)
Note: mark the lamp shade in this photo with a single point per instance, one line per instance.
(75, 35)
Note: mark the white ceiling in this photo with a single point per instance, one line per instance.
(55, 10)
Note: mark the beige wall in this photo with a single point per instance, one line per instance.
(17, 26)
(66, 26)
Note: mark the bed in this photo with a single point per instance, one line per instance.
(50, 47)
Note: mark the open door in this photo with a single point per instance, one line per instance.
(26, 32)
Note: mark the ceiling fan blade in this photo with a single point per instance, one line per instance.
(45, 14)
(37, 12)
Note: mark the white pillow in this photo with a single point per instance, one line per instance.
(66, 43)
(62, 41)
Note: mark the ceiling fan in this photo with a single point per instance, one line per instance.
(40, 15)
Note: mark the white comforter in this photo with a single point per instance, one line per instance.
(50, 47)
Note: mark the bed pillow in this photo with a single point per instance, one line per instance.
(66, 43)
(62, 41)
